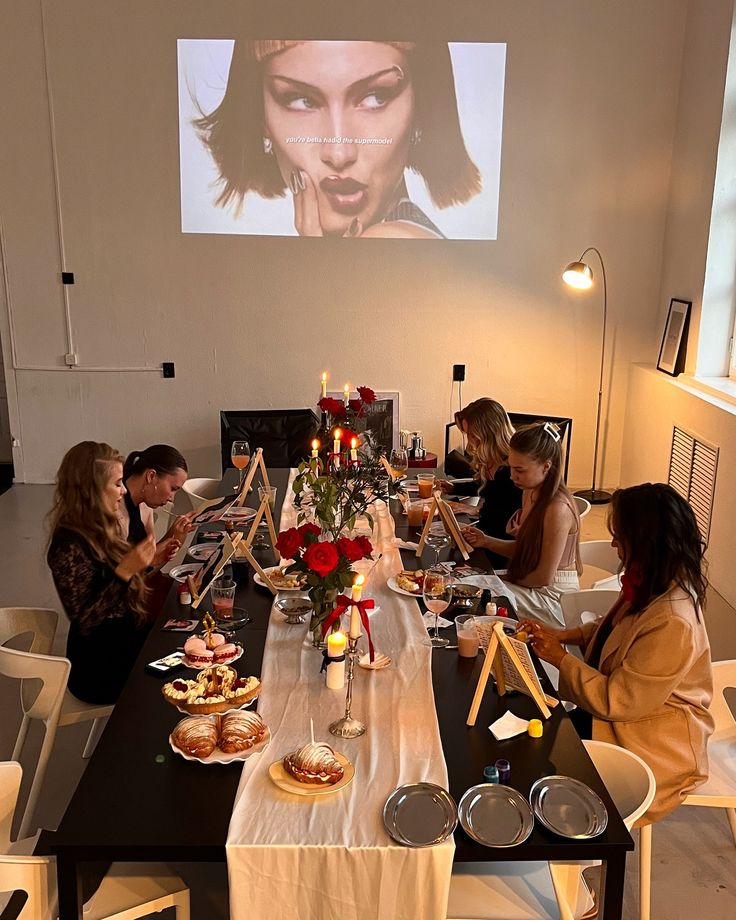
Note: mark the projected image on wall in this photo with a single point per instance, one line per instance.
(341, 138)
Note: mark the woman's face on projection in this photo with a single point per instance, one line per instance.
(322, 102)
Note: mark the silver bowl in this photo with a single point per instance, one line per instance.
(294, 608)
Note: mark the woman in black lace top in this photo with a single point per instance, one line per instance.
(96, 573)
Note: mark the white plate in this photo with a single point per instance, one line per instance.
(380, 661)
(202, 551)
(394, 587)
(179, 572)
(218, 756)
(286, 781)
(238, 514)
(275, 568)
(210, 664)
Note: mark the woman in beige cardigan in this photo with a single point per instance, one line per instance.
(646, 679)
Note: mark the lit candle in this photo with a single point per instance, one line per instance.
(354, 449)
(324, 384)
(335, 673)
(336, 445)
(315, 448)
(346, 394)
(355, 630)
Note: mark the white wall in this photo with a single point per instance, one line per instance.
(590, 116)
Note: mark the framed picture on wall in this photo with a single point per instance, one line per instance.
(381, 419)
(674, 341)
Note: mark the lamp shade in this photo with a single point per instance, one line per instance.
(578, 274)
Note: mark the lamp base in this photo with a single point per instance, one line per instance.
(595, 496)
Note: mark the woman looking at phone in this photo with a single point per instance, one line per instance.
(97, 574)
(543, 554)
(646, 682)
(486, 426)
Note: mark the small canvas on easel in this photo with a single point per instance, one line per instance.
(450, 523)
(201, 583)
(213, 510)
(513, 669)
(256, 463)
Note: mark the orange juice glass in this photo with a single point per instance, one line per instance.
(425, 482)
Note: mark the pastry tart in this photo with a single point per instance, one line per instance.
(215, 690)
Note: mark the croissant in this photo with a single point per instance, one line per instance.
(196, 735)
(240, 731)
(314, 763)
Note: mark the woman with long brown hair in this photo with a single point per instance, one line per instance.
(486, 426)
(646, 682)
(543, 556)
(97, 575)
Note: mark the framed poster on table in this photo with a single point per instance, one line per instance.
(381, 418)
(674, 341)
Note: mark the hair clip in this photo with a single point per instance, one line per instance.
(552, 431)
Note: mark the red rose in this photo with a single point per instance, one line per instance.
(309, 529)
(365, 546)
(350, 549)
(332, 406)
(322, 558)
(367, 394)
(347, 436)
(289, 542)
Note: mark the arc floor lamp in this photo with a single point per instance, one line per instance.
(580, 275)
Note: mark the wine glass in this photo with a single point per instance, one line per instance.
(437, 539)
(240, 456)
(399, 462)
(437, 597)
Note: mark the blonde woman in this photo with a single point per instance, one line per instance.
(543, 552)
(488, 430)
(97, 575)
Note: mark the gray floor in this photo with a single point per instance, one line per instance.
(694, 858)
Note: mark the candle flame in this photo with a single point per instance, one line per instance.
(359, 580)
(315, 444)
(353, 443)
(338, 434)
(324, 376)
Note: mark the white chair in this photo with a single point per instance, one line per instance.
(577, 603)
(536, 890)
(720, 789)
(41, 625)
(582, 504)
(601, 555)
(128, 891)
(200, 490)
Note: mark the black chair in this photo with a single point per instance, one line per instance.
(459, 463)
(284, 434)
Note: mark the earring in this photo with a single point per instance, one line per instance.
(416, 137)
(267, 145)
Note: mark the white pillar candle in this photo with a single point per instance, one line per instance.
(357, 592)
(336, 445)
(335, 673)
(354, 450)
(324, 385)
(315, 448)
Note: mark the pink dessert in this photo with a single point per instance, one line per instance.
(216, 639)
(226, 652)
(196, 652)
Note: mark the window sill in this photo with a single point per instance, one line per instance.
(721, 388)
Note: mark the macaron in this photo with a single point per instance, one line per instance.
(225, 653)
(196, 652)
(216, 639)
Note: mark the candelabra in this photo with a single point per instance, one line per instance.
(347, 726)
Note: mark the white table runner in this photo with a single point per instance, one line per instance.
(329, 856)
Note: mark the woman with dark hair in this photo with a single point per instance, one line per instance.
(152, 478)
(488, 430)
(646, 682)
(97, 575)
(338, 123)
(544, 557)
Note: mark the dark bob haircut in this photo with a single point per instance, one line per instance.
(233, 132)
(660, 537)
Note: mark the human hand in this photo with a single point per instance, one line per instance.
(181, 526)
(137, 559)
(474, 536)
(166, 549)
(306, 207)
(546, 641)
(443, 485)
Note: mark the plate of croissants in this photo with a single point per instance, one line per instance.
(220, 739)
(313, 769)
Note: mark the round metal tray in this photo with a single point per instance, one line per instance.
(420, 814)
(495, 815)
(568, 807)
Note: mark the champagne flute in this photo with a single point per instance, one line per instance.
(240, 456)
(437, 596)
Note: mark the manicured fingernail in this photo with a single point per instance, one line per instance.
(355, 227)
(302, 178)
(294, 182)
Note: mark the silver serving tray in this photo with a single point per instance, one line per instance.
(420, 814)
(495, 815)
(568, 807)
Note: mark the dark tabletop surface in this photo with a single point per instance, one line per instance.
(140, 800)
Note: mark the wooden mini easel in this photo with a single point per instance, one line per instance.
(513, 668)
(451, 526)
(257, 462)
(201, 583)
(245, 544)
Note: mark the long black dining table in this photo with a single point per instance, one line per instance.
(132, 801)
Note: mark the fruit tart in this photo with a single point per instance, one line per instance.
(216, 689)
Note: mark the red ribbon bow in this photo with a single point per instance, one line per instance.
(342, 602)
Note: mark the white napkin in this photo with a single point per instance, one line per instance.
(508, 726)
(490, 583)
(407, 544)
(441, 621)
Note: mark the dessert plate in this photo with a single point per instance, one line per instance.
(275, 569)
(286, 781)
(420, 814)
(188, 712)
(379, 661)
(391, 582)
(495, 815)
(179, 572)
(568, 807)
(218, 756)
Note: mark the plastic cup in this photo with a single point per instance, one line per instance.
(414, 511)
(467, 636)
(425, 483)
